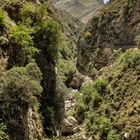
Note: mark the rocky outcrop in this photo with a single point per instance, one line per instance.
(25, 124)
(34, 124)
(69, 126)
(75, 80)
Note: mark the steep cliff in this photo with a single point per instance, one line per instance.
(116, 26)
(29, 92)
(35, 32)
(108, 51)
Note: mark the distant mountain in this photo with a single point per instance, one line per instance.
(81, 9)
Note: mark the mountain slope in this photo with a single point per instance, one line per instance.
(109, 106)
(116, 26)
(81, 9)
(108, 51)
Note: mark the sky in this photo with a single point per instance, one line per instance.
(105, 1)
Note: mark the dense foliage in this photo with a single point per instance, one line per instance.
(38, 69)
(29, 37)
(109, 106)
(19, 89)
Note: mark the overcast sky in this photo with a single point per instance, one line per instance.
(105, 1)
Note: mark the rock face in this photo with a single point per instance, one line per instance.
(116, 26)
(75, 80)
(69, 125)
(35, 129)
(81, 9)
(21, 119)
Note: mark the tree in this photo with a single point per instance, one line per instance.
(18, 92)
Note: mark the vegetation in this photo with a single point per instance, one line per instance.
(22, 41)
(3, 135)
(102, 102)
(126, 7)
(29, 37)
(137, 41)
(2, 17)
(19, 89)
(38, 69)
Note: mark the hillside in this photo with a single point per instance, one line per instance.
(81, 9)
(108, 51)
(116, 26)
(36, 57)
(69, 70)
(109, 106)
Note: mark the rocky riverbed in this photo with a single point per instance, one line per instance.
(71, 130)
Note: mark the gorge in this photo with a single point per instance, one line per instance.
(69, 70)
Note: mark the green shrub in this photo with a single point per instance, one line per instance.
(22, 41)
(21, 35)
(34, 72)
(19, 82)
(100, 85)
(48, 38)
(19, 92)
(2, 18)
(113, 135)
(126, 7)
(105, 124)
(28, 13)
(80, 106)
(3, 135)
(88, 92)
(5, 21)
(97, 125)
(88, 101)
(32, 14)
(130, 59)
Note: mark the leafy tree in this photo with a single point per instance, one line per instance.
(19, 90)
(22, 45)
